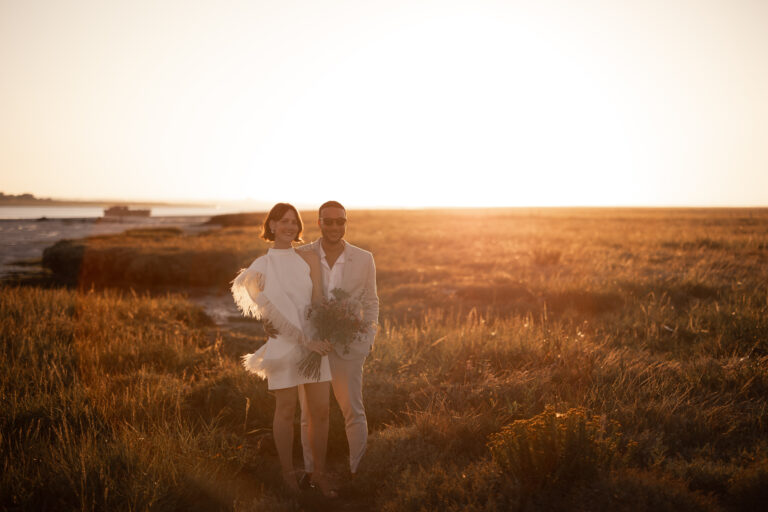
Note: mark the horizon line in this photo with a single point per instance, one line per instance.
(202, 203)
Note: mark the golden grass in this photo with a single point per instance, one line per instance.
(646, 329)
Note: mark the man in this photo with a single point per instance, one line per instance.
(352, 269)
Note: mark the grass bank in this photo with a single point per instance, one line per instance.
(527, 360)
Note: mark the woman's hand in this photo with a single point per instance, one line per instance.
(322, 347)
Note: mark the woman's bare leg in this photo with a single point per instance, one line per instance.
(317, 395)
(282, 429)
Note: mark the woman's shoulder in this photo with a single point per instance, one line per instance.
(252, 277)
(259, 263)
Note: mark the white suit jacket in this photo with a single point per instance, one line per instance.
(358, 279)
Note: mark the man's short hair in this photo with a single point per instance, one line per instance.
(329, 204)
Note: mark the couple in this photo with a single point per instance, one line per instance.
(278, 288)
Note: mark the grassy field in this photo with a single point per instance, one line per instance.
(534, 359)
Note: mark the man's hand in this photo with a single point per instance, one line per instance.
(269, 329)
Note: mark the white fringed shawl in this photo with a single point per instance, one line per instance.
(259, 293)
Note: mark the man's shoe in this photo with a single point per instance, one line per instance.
(323, 484)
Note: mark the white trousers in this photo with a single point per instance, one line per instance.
(347, 383)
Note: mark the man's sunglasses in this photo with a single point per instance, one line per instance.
(339, 221)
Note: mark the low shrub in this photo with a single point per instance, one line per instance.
(237, 219)
(553, 449)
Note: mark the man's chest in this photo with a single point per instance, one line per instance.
(333, 273)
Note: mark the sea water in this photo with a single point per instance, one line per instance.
(91, 212)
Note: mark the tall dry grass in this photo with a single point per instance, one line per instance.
(527, 360)
(120, 402)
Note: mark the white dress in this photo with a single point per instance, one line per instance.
(277, 287)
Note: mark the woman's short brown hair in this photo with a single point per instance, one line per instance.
(276, 213)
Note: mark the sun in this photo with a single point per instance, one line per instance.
(460, 112)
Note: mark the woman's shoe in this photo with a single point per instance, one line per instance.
(304, 481)
(323, 484)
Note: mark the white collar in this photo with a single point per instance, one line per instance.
(322, 250)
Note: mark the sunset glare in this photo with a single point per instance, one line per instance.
(387, 104)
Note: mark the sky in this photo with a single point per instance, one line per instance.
(387, 103)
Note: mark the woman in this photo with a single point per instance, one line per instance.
(279, 287)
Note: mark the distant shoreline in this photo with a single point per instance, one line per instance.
(95, 203)
(81, 211)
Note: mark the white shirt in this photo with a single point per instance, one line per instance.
(331, 276)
